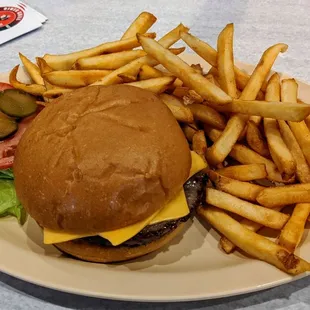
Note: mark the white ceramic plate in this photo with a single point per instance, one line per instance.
(191, 268)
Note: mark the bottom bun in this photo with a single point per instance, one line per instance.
(100, 254)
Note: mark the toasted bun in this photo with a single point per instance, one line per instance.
(100, 158)
(99, 254)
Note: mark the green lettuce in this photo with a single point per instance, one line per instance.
(7, 174)
(9, 203)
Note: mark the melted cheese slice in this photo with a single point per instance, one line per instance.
(174, 209)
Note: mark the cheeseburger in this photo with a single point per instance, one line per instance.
(107, 173)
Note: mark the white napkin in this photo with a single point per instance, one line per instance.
(17, 18)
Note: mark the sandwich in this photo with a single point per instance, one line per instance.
(107, 173)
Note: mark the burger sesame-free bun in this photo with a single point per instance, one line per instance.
(100, 158)
(99, 254)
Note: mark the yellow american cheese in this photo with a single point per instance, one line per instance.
(174, 209)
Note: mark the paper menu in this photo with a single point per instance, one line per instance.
(17, 18)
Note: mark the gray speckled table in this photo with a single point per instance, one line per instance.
(79, 24)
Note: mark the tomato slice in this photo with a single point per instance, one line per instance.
(4, 86)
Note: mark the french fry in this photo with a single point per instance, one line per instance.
(244, 155)
(289, 111)
(255, 140)
(179, 111)
(292, 232)
(147, 72)
(267, 217)
(156, 85)
(236, 124)
(250, 172)
(280, 153)
(189, 131)
(43, 66)
(252, 243)
(184, 72)
(275, 196)
(228, 246)
(302, 167)
(33, 89)
(74, 78)
(55, 93)
(225, 61)
(243, 190)
(109, 61)
(134, 66)
(300, 130)
(127, 78)
(65, 62)
(207, 115)
(141, 24)
(307, 121)
(180, 91)
(209, 54)
(199, 143)
(32, 69)
(198, 68)
(210, 77)
(194, 96)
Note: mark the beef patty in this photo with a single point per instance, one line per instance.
(195, 195)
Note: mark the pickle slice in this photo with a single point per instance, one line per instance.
(7, 126)
(17, 103)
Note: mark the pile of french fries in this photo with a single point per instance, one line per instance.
(252, 130)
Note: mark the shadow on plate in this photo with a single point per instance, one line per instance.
(161, 257)
(35, 240)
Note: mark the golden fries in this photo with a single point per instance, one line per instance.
(289, 111)
(140, 25)
(255, 140)
(300, 130)
(302, 168)
(74, 78)
(292, 232)
(221, 148)
(147, 72)
(65, 62)
(267, 217)
(243, 190)
(207, 115)
(198, 68)
(277, 196)
(55, 92)
(156, 85)
(189, 130)
(127, 78)
(32, 69)
(33, 89)
(244, 155)
(183, 71)
(179, 111)
(134, 66)
(252, 243)
(225, 61)
(109, 61)
(280, 153)
(228, 246)
(249, 172)
(199, 143)
(209, 54)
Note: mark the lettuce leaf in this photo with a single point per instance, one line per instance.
(7, 174)
(9, 203)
